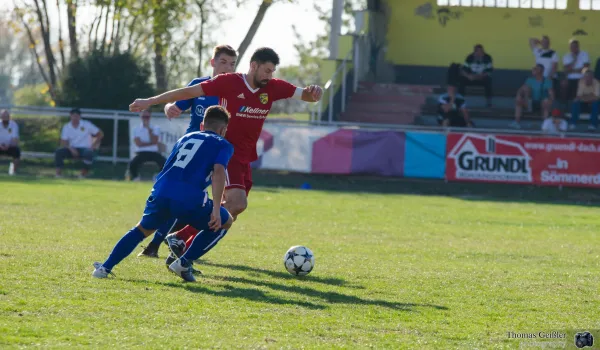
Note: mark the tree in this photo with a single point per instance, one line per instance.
(97, 81)
(258, 18)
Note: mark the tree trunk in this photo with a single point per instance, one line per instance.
(98, 27)
(44, 26)
(160, 69)
(105, 28)
(35, 54)
(258, 18)
(116, 38)
(72, 25)
(131, 31)
(201, 41)
(61, 43)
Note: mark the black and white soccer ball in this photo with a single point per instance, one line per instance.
(299, 260)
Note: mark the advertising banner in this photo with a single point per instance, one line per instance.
(523, 159)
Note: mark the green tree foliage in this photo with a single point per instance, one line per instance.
(105, 82)
(33, 95)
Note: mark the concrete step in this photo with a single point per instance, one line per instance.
(383, 118)
(378, 98)
(384, 107)
(396, 88)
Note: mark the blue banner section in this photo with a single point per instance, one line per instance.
(425, 155)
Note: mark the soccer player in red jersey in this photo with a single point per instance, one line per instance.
(248, 98)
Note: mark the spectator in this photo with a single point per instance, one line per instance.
(477, 70)
(588, 95)
(573, 63)
(146, 140)
(79, 139)
(9, 141)
(556, 124)
(536, 95)
(452, 109)
(547, 57)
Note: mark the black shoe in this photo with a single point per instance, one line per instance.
(151, 251)
(170, 259)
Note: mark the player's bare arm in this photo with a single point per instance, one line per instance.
(218, 188)
(185, 93)
(312, 93)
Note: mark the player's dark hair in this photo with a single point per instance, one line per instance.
(216, 116)
(264, 55)
(224, 49)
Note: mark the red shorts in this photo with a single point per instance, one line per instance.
(239, 175)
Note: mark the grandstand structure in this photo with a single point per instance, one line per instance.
(394, 65)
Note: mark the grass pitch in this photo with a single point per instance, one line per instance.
(394, 268)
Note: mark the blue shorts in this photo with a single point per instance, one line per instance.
(159, 210)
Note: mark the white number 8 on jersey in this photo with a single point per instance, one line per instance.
(185, 155)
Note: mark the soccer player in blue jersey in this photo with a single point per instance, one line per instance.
(223, 61)
(197, 160)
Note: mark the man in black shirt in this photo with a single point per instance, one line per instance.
(477, 70)
(452, 109)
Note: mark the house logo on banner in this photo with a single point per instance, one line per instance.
(485, 158)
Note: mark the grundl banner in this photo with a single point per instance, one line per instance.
(523, 159)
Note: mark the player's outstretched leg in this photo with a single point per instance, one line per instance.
(122, 249)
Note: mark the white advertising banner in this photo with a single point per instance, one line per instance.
(280, 147)
(170, 132)
(288, 147)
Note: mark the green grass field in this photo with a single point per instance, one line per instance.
(414, 265)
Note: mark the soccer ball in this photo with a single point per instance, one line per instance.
(299, 260)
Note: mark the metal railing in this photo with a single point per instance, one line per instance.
(86, 113)
(357, 57)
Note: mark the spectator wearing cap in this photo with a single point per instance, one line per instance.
(145, 137)
(588, 95)
(536, 95)
(556, 124)
(477, 70)
(9, 141)
(79, 139)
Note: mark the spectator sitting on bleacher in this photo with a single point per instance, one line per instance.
(9, 141)
(588, 95)
(477, 70)
(573, 62)
(146, 141)
(452, 109)
(556, 124)
(537, 90)
(79, 139)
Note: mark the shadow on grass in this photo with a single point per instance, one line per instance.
(249, 294)
(329, 297)
(282, 275)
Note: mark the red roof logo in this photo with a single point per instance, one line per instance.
(484, 157)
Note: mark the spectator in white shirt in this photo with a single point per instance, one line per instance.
(556, 124)
(9, 141)
(79, 139)
(146, 138)
(573, 63)
(545, 56)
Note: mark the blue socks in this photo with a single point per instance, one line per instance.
(124, 247)
(202, 244)
(163, 231)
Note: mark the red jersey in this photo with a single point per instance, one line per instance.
(248, 108)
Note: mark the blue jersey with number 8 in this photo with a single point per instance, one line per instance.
(188, 170)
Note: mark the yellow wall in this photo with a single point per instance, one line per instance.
(419, 35)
